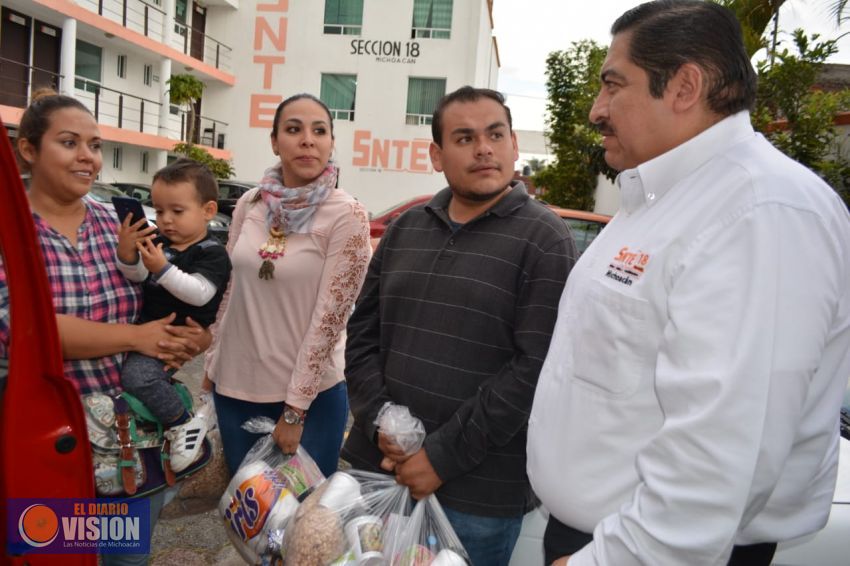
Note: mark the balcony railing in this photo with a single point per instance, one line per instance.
(215, 53)
(208, 131)
(17, 81)
(120, 109)
(109, 106)
(137, 15)
(144, 17)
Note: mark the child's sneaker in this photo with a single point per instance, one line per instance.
(186, 442)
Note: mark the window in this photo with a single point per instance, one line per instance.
(122, 66)
(422, 98)
(145, 157)
(148, 75)
(432, 18)
(87, 67)
(180, 9)
(583, 231)
(343, 17)
(117, 157)
(338, 92)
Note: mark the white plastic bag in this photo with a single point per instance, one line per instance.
(264, 495)
(401, 427)
(429, 539)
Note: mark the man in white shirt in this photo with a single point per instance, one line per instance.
(687, 411)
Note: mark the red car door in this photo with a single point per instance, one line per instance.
(44, 447)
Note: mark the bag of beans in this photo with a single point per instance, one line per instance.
(352, 518)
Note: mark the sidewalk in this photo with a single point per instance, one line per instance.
(192, 540)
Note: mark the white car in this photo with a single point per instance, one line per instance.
(828, 547)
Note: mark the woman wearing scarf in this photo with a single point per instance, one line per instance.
(300, 249)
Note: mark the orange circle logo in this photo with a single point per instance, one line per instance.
(38, 525)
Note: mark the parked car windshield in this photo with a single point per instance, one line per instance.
(584, 231)
(104, 193)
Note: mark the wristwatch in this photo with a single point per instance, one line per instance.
(293, 417)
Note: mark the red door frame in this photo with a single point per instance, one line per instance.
(44, 447)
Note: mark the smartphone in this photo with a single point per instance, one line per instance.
(131, 206)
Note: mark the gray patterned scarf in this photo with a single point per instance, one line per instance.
(291, 209)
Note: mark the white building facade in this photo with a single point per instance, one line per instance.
(380, 65)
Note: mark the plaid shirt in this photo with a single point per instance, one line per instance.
(85, 283)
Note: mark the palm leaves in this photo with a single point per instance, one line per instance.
(837, 10)
(755, 16)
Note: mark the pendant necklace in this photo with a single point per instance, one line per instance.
(274, 248)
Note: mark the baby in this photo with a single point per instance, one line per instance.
(185, 274)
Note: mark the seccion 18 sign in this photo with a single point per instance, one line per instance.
(385, 50)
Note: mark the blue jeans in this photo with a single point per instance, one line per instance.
(146, 378)
(489, 541)
(323, 429)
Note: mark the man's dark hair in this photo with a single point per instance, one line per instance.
(464, 94)
(669, 33)
(186, 170)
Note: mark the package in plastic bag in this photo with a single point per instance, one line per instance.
(401, 427)
(264, 495)
(428, 539)
(355, 517)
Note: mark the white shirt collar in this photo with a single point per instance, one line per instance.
(649, 181)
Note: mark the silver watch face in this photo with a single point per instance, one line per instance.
(290, 416)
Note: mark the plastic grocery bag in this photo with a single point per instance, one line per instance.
(355, 517)
(428, 539)
(264, 495)
(401, 427)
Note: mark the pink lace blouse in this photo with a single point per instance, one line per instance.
(284, 339)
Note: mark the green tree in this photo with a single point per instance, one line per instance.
(536, 164)
(572, 82)
(221, 168)
(754, 16)
(799, 120)
(186, 90)
(794, 117)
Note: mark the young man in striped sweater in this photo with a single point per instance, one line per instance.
(454, 321)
